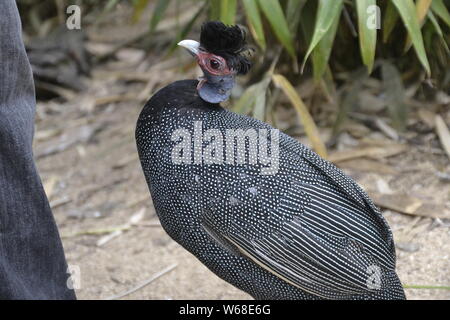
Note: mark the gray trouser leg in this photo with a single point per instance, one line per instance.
(32, 262)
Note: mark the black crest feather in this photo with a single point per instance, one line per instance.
(228, 42)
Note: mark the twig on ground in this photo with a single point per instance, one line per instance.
(417, 286)
(60, 202)
(144, 283)
(96, 232)
(112, 232)
(443, 134)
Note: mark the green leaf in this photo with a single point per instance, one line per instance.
(111, 4)
(214, 9)
(302, 111)
(390, 20)
(407, 11)
(326, 13)
(350, 99)
(321, 53)
(422, 8)
(293, 14)
(440, 10)
(307, 20)
(254, 21)
(274, 13)
(228, 11)
(254, 99)
(395, 94)
(185, 30)
(138, 8)
(259, 109)
(367, 31)
(246, 101)
(328, 86)
(436, 25)
(438, 30)
(160, 9)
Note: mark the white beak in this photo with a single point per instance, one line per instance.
(191, 45)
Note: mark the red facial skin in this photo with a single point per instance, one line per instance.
(213, 64)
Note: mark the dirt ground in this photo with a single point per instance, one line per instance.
(87, 158)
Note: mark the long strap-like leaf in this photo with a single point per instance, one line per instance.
(408, 14)
(326, 12)
(367, 12)
(274, 13)
(305, 117)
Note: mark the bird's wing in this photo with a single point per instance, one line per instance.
(282, 224)
(330, 269)
(335, 179)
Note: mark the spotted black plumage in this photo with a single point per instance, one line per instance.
(303, 231)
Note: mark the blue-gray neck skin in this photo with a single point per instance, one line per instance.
(216, 88)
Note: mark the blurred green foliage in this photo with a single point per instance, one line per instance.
(400, 42)
(385, 28)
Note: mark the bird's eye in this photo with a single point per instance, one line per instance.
(215, 65)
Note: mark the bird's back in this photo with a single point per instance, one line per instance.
(300, 229)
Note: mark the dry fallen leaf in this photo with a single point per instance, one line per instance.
(385, 151)
(386, 129)
(367, 165)
(107, 238)
(49, 186)
(407, 204)
(427, 117)
(42, 135)
(443, 133)
(383, 187)
(303, 113)
(69, 139)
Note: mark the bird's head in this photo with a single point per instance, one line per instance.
(222, 53)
